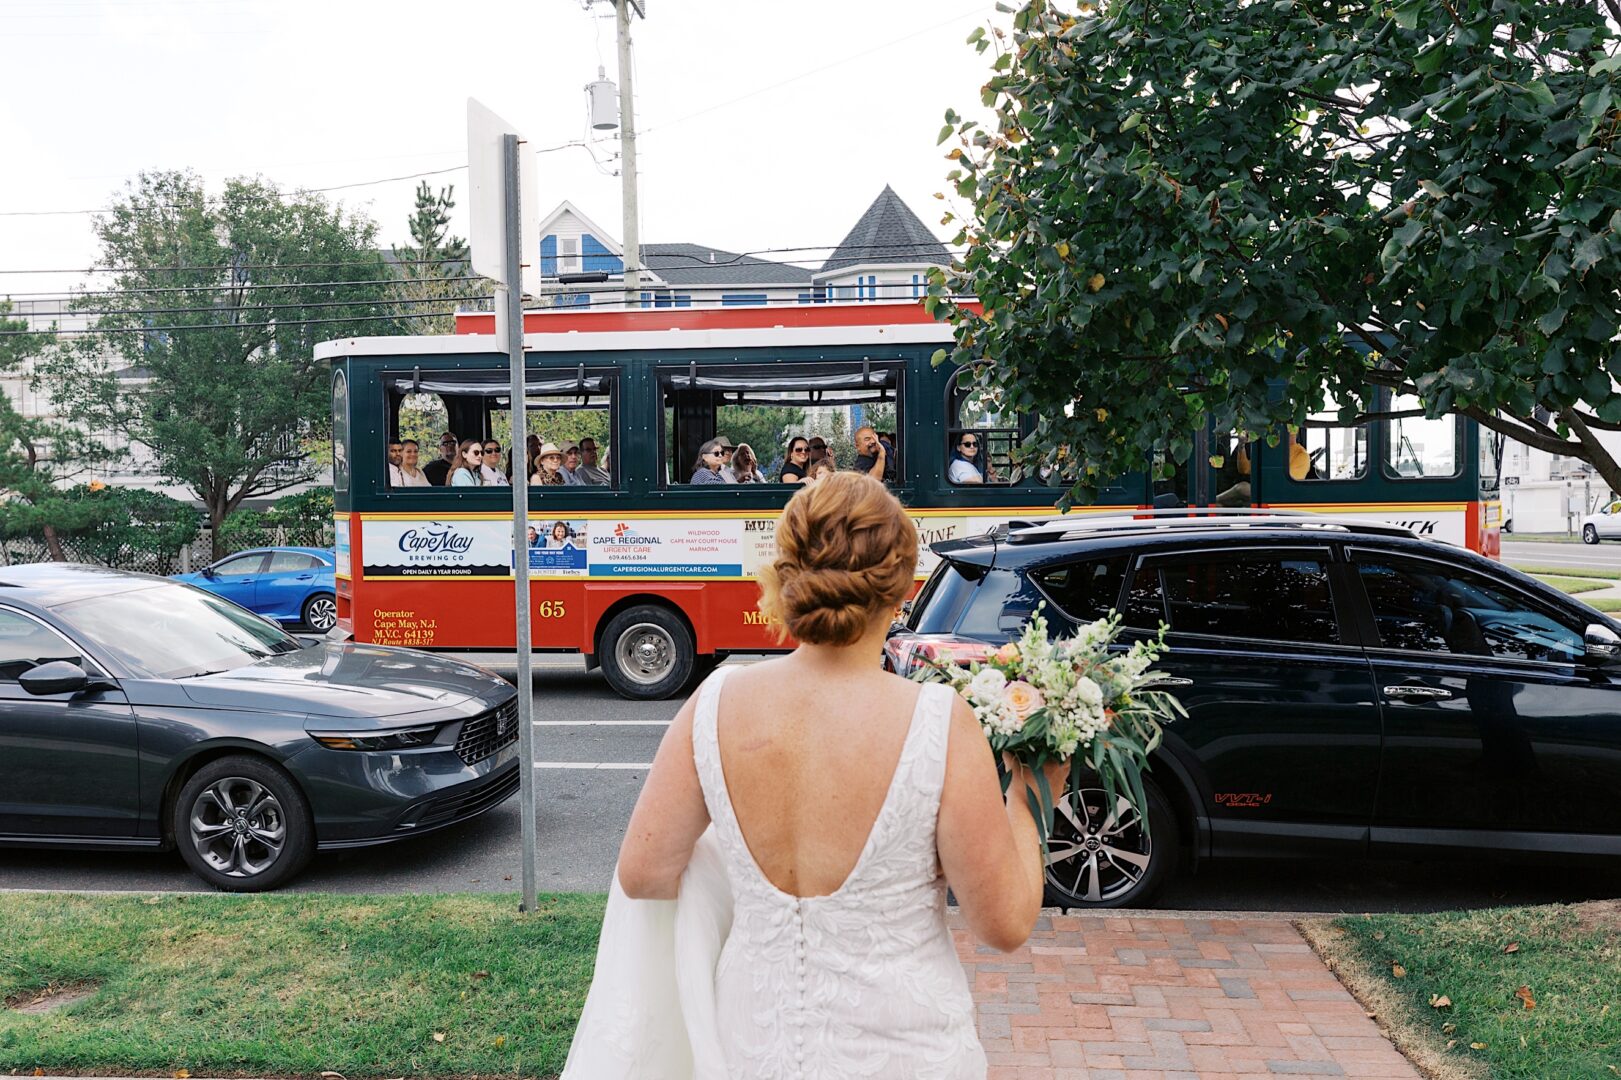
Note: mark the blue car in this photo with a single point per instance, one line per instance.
(288, 584)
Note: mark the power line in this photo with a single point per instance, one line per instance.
(294, 191)
(228, 266)
(226, 326)
(695, 258)
(65, 312)
(44, 297)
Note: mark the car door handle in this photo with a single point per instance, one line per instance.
(1167, 681)
(1417, 693)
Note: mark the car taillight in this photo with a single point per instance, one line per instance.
(909, 653)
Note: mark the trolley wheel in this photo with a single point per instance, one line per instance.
(647, 653)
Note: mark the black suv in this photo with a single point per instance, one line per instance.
(1352, 690)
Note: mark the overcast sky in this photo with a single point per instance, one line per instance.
(764, 123)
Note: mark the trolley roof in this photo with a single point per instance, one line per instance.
(560, 330)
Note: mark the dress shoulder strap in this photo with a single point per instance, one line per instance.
(935, 735)
(706, 747)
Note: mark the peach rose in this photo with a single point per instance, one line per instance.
(1008, 653)
(1023, 699)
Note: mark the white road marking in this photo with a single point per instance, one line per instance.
(601, 723)
(642, 766)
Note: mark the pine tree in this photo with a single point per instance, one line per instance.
(428, 266)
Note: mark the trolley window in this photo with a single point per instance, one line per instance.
(1421, 448)
(1326, 449)
(766, 408)
(983, 433)
(445, 422)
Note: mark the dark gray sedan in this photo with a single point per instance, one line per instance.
(138, 712)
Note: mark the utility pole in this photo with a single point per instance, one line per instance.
(627, 136)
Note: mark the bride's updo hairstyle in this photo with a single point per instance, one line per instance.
(845, 552)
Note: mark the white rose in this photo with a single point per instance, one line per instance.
(987, 686)
(1089, 693)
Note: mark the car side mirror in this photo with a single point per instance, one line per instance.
(1603, 645)
(210, 572)
(57, 677)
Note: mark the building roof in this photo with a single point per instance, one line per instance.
(887, 233)
(696, 264)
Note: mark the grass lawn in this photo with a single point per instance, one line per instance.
(1567, 571)
(1574, 585)
(295, 984)
(1510, 994)
(1605, 603)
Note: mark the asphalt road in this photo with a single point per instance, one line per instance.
(1604, 556)
(592, 750)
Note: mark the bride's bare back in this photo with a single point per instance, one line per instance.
(809, 756)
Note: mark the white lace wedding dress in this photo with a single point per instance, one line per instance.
(863, 982)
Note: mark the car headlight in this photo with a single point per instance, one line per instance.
(393, 739)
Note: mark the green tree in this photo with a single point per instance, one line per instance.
(428, 265)
(135, 529)
(302, 520)
(1175, 205)
(208, 326)
(39, 456)
(765, 428)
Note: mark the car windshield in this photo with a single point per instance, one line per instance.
(175, 631)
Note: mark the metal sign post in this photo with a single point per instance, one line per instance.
(499, 246)
(519, 438)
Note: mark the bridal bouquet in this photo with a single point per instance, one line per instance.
(1042, 700)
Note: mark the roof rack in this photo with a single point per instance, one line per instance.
(1197, 517)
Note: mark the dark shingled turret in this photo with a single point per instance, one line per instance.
(887, 233)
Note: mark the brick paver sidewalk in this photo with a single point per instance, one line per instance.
(1096, 998)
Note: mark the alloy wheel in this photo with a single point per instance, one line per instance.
(237, 827)
(1097, 854)
(322, 614)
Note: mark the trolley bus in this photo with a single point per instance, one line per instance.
(651, 577)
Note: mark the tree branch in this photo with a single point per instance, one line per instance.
(1600, 457)
(1520, 431)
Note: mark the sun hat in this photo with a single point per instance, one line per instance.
(548, 450)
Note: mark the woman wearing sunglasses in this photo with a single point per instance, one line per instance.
(796, 462)
(964, 467)
(469, 465)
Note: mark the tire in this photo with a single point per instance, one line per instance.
(240, 852)
(320, 612)
(647, 653)
(1071, 881)
(1589, 534)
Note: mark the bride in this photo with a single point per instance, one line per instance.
(843, 801)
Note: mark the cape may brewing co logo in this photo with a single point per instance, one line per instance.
(437, 548)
